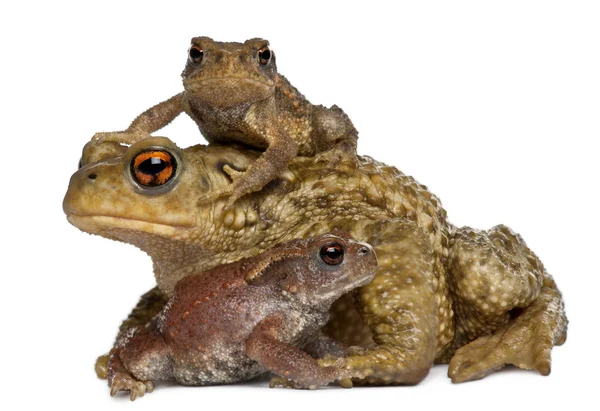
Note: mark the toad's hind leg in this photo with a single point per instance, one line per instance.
(334, 136)
(508, 309)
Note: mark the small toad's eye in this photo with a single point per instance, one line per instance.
(153, 168)
(195, 54)
(332, 254)
(264, 56)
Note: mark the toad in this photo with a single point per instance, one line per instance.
(234, 94)
(477, 299)
(238, 320)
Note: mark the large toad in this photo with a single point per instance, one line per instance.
(477, 299)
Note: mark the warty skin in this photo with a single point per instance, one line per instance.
(238, 320)
(234, 94)
(476, 299)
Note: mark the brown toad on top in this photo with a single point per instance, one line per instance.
(239, 320)
(234, 94)
(477, 299)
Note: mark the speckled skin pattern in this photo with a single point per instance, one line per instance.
(238, 320)
(234, 94)
(476, 299)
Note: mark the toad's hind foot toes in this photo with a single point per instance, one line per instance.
(526, 349)
(124, 382)
(345, 383)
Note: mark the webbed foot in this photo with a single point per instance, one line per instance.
(525, 344)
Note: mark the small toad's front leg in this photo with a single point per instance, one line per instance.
(148, 122)
(140, 357)
(282, 148)
(401, 306)
(149, 305)
(295, 368)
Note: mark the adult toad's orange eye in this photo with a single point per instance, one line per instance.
(195, 54)
(332, 254)
(153, 168)
(264, 56)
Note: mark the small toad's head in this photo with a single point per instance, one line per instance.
(228, 74)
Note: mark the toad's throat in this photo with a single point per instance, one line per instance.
(167, 245)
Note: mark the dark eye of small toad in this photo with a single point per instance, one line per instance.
(332, 254)
(153, 168)
(264, 56)
(195, 54)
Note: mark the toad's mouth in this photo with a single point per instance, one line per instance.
(228, 91)
(232, 80)
(97, 224)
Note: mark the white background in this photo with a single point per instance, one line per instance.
(493, 105)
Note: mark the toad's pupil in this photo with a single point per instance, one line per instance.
(152, 166)
(196, 54)
(265, 56)
(332, 254)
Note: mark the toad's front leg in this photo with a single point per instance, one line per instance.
(140, 357)
(401, 307)
(281, 149)
(149, 305)
(148, 122)
(295, 368)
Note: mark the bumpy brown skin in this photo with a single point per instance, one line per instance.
(241, 319)
(476, 299)
(234, 97)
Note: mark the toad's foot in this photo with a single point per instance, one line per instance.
(218, 195)
(122, 137)
(236, 191)
(230, 191)
(125, 382)
(525, 342)
(101, 366)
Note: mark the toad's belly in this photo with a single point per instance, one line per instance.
(219, 366)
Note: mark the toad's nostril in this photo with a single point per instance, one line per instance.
(92, 176)
(363, 251)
